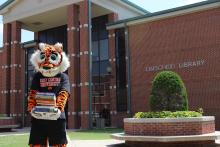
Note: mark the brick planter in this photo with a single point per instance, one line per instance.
(8, 122)
(169, 126)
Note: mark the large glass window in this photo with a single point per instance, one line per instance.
(121, 82)
(100, 55)
(100, 63)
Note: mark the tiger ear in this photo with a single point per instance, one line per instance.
(42, 46)
(59, 47)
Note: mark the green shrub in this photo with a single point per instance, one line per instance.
(167, 114)
(168, 93)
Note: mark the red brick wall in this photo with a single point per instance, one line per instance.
(169, 129)
(73, 72)
(84, 63)
(15, 66)
(112, 59)
(177, 40)
(7, 121)
(117, 119)
(208, 143)
(5, 82)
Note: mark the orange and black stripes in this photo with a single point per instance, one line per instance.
(31, 99)
(62, 99)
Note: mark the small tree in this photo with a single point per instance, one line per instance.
(168, 93)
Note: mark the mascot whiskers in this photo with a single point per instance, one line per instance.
(49, 92)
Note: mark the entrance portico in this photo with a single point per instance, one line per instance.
(66, 22)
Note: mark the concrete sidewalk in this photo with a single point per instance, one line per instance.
(96, 143)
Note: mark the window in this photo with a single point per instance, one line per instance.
(100, 55)
(121, 82)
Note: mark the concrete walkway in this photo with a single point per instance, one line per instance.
(97, 143)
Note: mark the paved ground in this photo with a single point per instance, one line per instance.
(87, 143)
(97, 143)
(113, 143)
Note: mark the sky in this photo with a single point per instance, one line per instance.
(149, 5)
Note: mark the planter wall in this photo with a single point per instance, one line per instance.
(8, 122)
(169, 126)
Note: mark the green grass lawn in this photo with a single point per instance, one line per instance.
(22, 140)
(99, 134)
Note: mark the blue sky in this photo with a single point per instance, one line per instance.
(150, 5)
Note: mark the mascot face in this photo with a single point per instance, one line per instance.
(50, 59)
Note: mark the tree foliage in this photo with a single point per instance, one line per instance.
(168, 93)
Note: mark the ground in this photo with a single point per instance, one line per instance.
(94, 138)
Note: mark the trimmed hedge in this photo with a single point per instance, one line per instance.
(168, 93)
(167, 114)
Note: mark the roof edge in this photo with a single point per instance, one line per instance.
(8, 2)
(5, 4)
(135, 6)
(121, 23)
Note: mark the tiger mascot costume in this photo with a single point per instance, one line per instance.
(50, 63)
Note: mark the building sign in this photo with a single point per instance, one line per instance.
(185, 64)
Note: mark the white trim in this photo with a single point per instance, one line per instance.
(86, 112)
(176, 13)
(86, 83)
(86, 52)
(15, 42)
(7, 8)
(73, 28)
(204, 137)
(122, 9)
(166, 15)
(74, 113)
(85, 25)
(169, 120)
(38, 9)
(80, 84)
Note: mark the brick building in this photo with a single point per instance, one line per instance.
(129, 46)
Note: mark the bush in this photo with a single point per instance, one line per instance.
(168, 93)
(167, 114)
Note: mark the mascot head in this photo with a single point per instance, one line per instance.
(50, 59)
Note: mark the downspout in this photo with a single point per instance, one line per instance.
(128, 57)
(90, 63)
